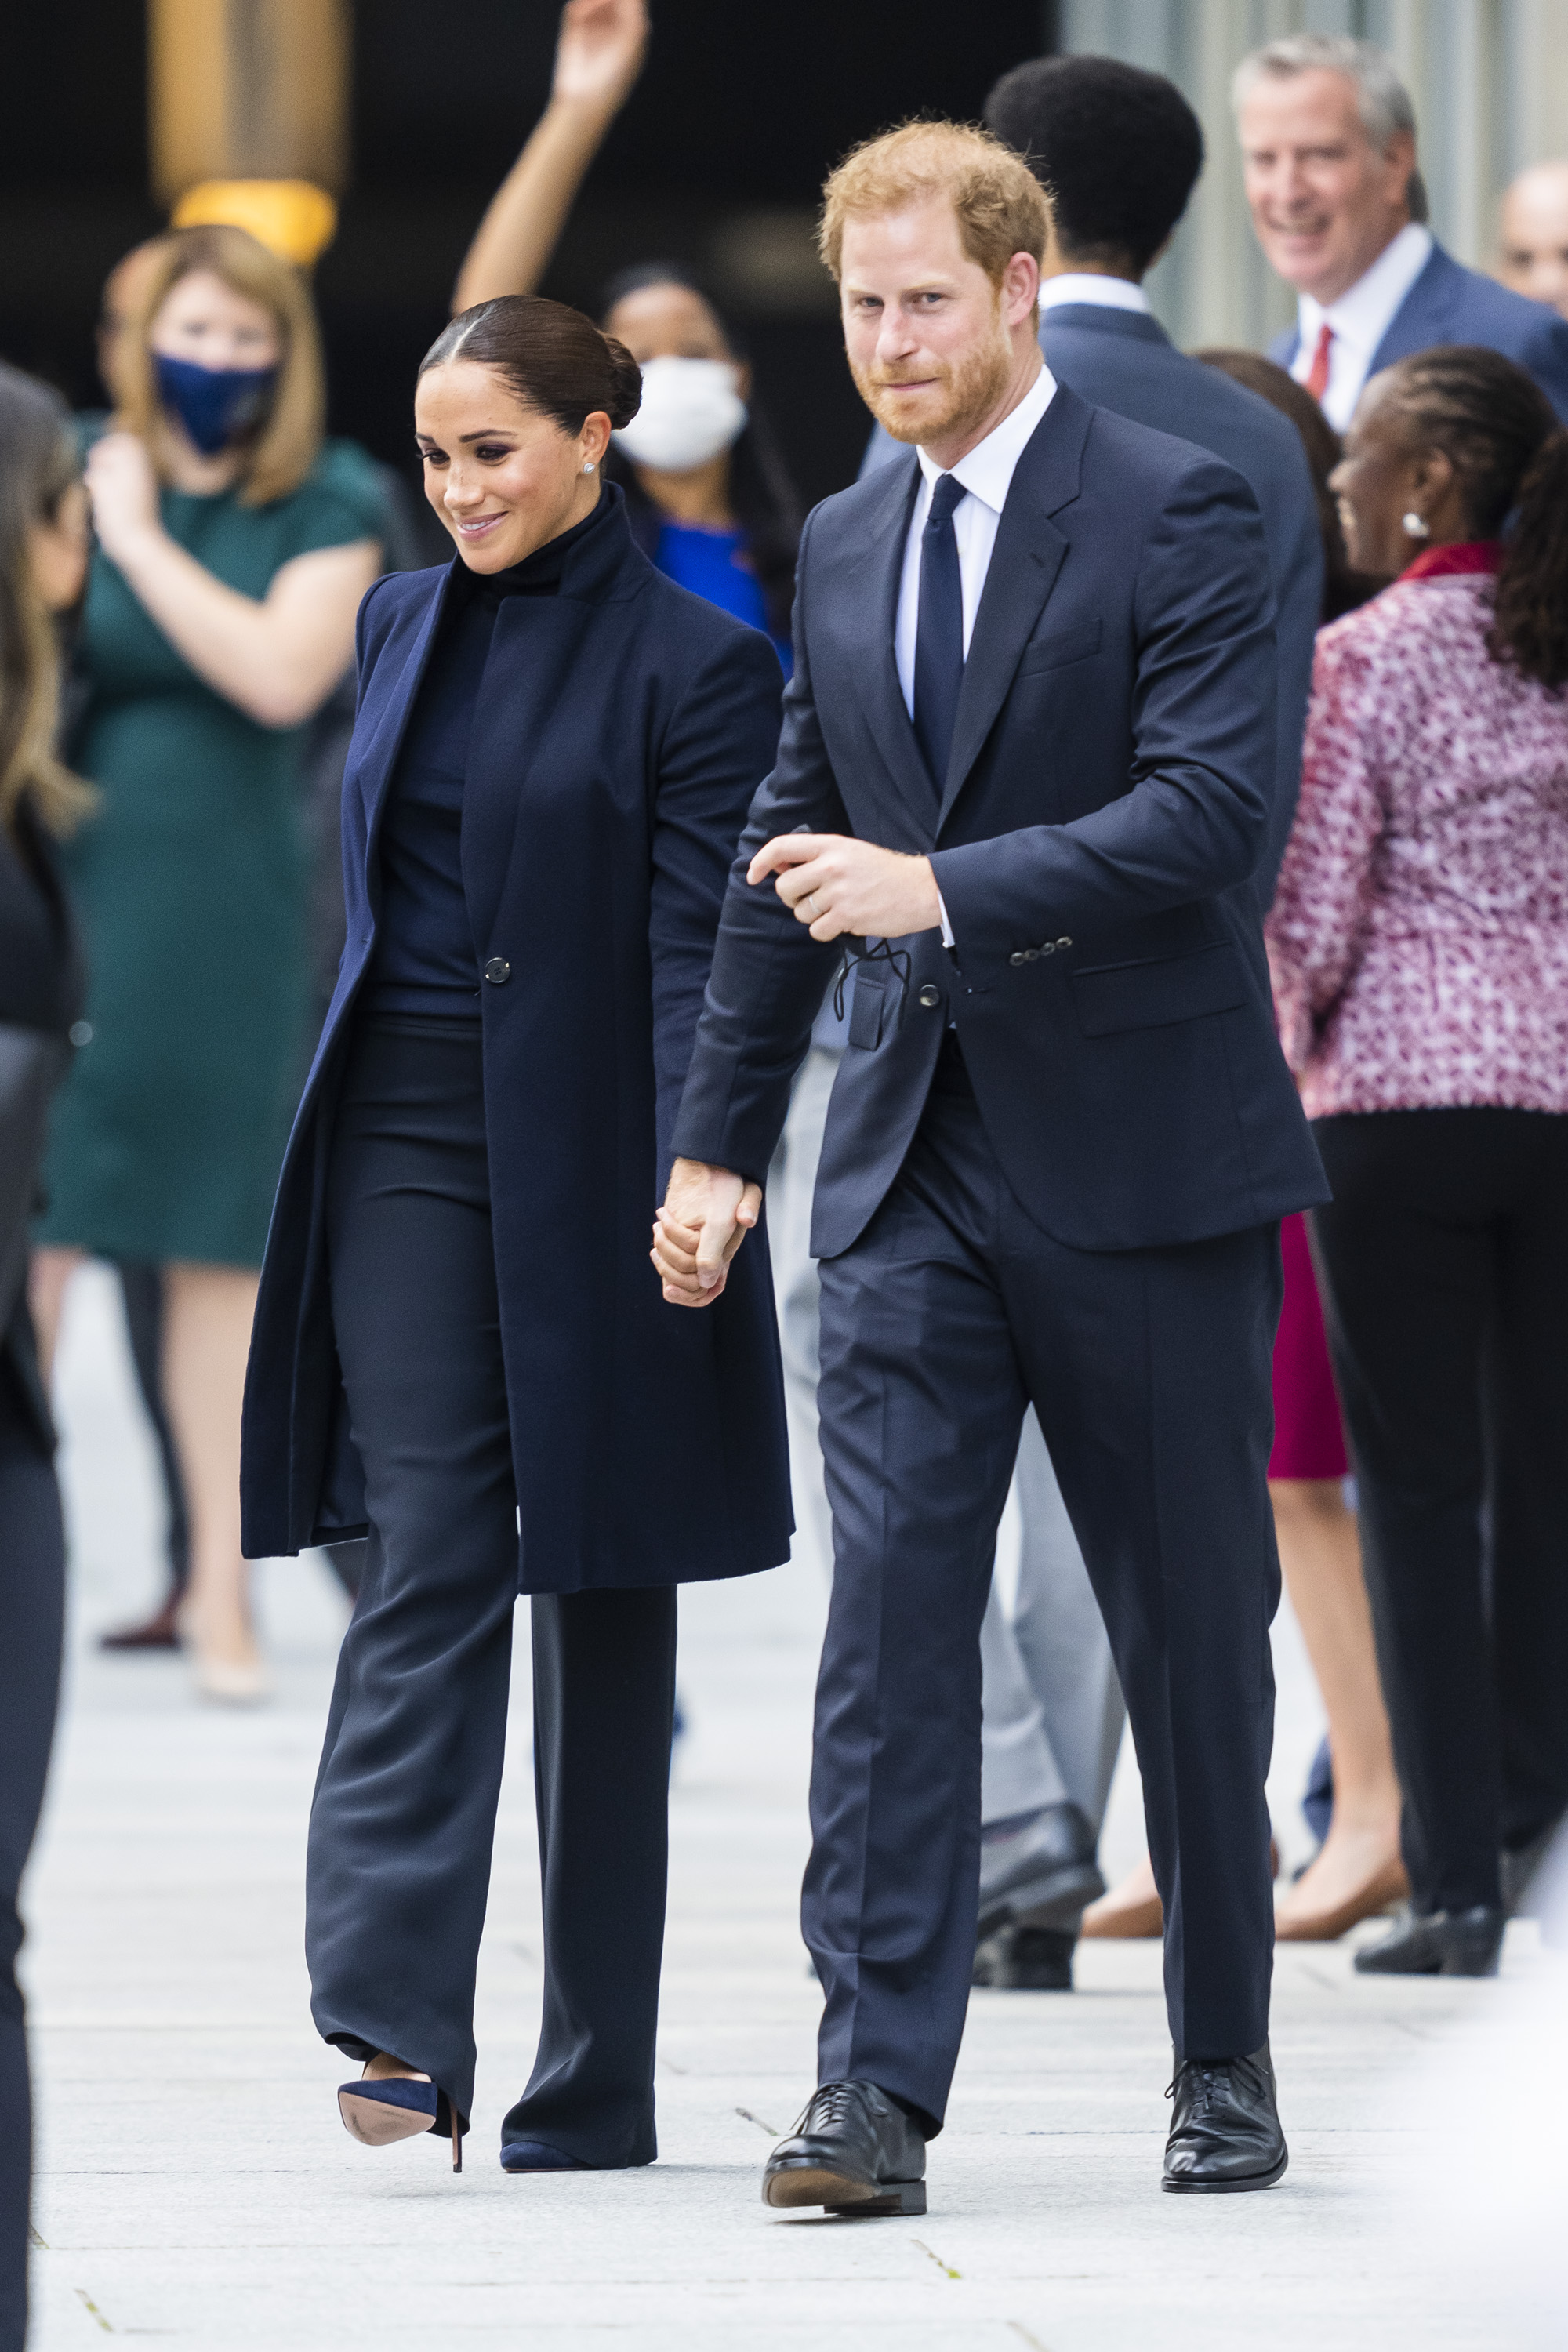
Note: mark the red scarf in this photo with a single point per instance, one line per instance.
(1449, 563)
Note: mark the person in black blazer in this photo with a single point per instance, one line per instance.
(459, 1350)
(1028, 752)
(43, 564)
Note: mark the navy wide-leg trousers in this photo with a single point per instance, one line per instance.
(404, 1818)
(1150, 1372)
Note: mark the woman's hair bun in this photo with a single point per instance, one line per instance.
(626, 383)
(554, 358)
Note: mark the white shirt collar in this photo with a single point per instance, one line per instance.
(1365, 311)
(987, 472)
(1089, 286)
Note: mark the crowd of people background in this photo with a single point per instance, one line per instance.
(180, 577)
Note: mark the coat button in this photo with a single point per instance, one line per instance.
(930, 997)
(1014, 959)
(497, 970)
(1047, 947)
(1064, 943)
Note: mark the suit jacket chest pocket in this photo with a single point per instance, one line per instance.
(1055, 650)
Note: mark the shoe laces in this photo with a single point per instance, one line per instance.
(828, 2108)
(1210, 2080)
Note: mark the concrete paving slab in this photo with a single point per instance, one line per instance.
(196, 2187)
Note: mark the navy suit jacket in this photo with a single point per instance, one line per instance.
(618, 740)
(1094, 839)
(1123, 360)
(1451, 304)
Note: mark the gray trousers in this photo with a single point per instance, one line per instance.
(1053, 1705)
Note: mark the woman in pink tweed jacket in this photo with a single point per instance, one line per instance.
(1419, 944)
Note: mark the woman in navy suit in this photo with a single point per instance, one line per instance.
(552, 759)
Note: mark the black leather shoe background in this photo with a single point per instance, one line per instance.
(1443, 1944)
(853, 2145)
(1225, 2125)
(1026, 1959)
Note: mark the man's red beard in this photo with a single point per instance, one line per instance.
(968, 387)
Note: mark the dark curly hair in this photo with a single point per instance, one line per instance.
(1118, 149)
(1498, 430)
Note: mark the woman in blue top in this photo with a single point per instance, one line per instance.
(707, 497)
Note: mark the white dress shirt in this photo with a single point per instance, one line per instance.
(1092, 285)
(986, 475)
(1360, 320)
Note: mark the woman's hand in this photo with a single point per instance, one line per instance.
(599, 53)
(123, 489)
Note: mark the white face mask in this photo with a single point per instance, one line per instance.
(691, 411)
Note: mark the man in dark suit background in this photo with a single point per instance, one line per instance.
(1328, 143)
(1028, 752)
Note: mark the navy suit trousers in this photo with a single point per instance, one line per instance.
(1150, 1372)
(403, 1820)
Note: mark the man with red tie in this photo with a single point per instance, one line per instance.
(1328, 141)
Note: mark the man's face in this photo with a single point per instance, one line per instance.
(1536, 235)
(926, 331)
(1325, 202)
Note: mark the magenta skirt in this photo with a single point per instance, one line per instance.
(1308, 1434)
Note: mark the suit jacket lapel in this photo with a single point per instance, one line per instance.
(867, 641)
(374, 763)
(1025, 562)
(1422, 319)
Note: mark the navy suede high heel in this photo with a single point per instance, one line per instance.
(398, 2107)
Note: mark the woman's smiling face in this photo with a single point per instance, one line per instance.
(504, 480)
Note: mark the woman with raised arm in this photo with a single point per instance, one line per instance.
(707, 497)
(232, 550)
(1419, 941)
(460, 1349)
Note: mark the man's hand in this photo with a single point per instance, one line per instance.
(706, 1216)
(599, 53)
(836, 884)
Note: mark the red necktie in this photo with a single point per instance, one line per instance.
(1318, 373)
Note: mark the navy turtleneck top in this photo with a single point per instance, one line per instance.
(426, 962)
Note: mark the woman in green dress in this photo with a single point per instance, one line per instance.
(233, 550)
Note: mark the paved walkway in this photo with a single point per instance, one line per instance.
(196, 2187)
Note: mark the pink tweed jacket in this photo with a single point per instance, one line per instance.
(1418, 937)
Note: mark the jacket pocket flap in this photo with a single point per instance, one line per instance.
(1055, 653)
(1151, 995)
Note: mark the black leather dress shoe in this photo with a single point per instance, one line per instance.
(1225, 2127)
(1026, 1959)
(1441, 1944)
(1038, 1871)
(853, 2151)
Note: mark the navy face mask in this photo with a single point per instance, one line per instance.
(216, 406)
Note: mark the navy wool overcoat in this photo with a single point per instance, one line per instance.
(623, 727)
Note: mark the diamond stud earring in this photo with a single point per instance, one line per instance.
(1416, 526)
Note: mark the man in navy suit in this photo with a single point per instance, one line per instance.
(1028, 756)
(1328, 141)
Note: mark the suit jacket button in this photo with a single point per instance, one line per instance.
(930, 997)
(1014, 959)
(497, 970)
(1064, 943)
(1047, 947)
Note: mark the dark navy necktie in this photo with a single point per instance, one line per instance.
(939, 631)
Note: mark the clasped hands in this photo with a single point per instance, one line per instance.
(834, 885)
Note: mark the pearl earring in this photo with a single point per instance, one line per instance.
(589, 466)
(1416, 526)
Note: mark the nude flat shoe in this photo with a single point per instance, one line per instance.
(228, 1684)
(1380, 1893)
(1132, 1910)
